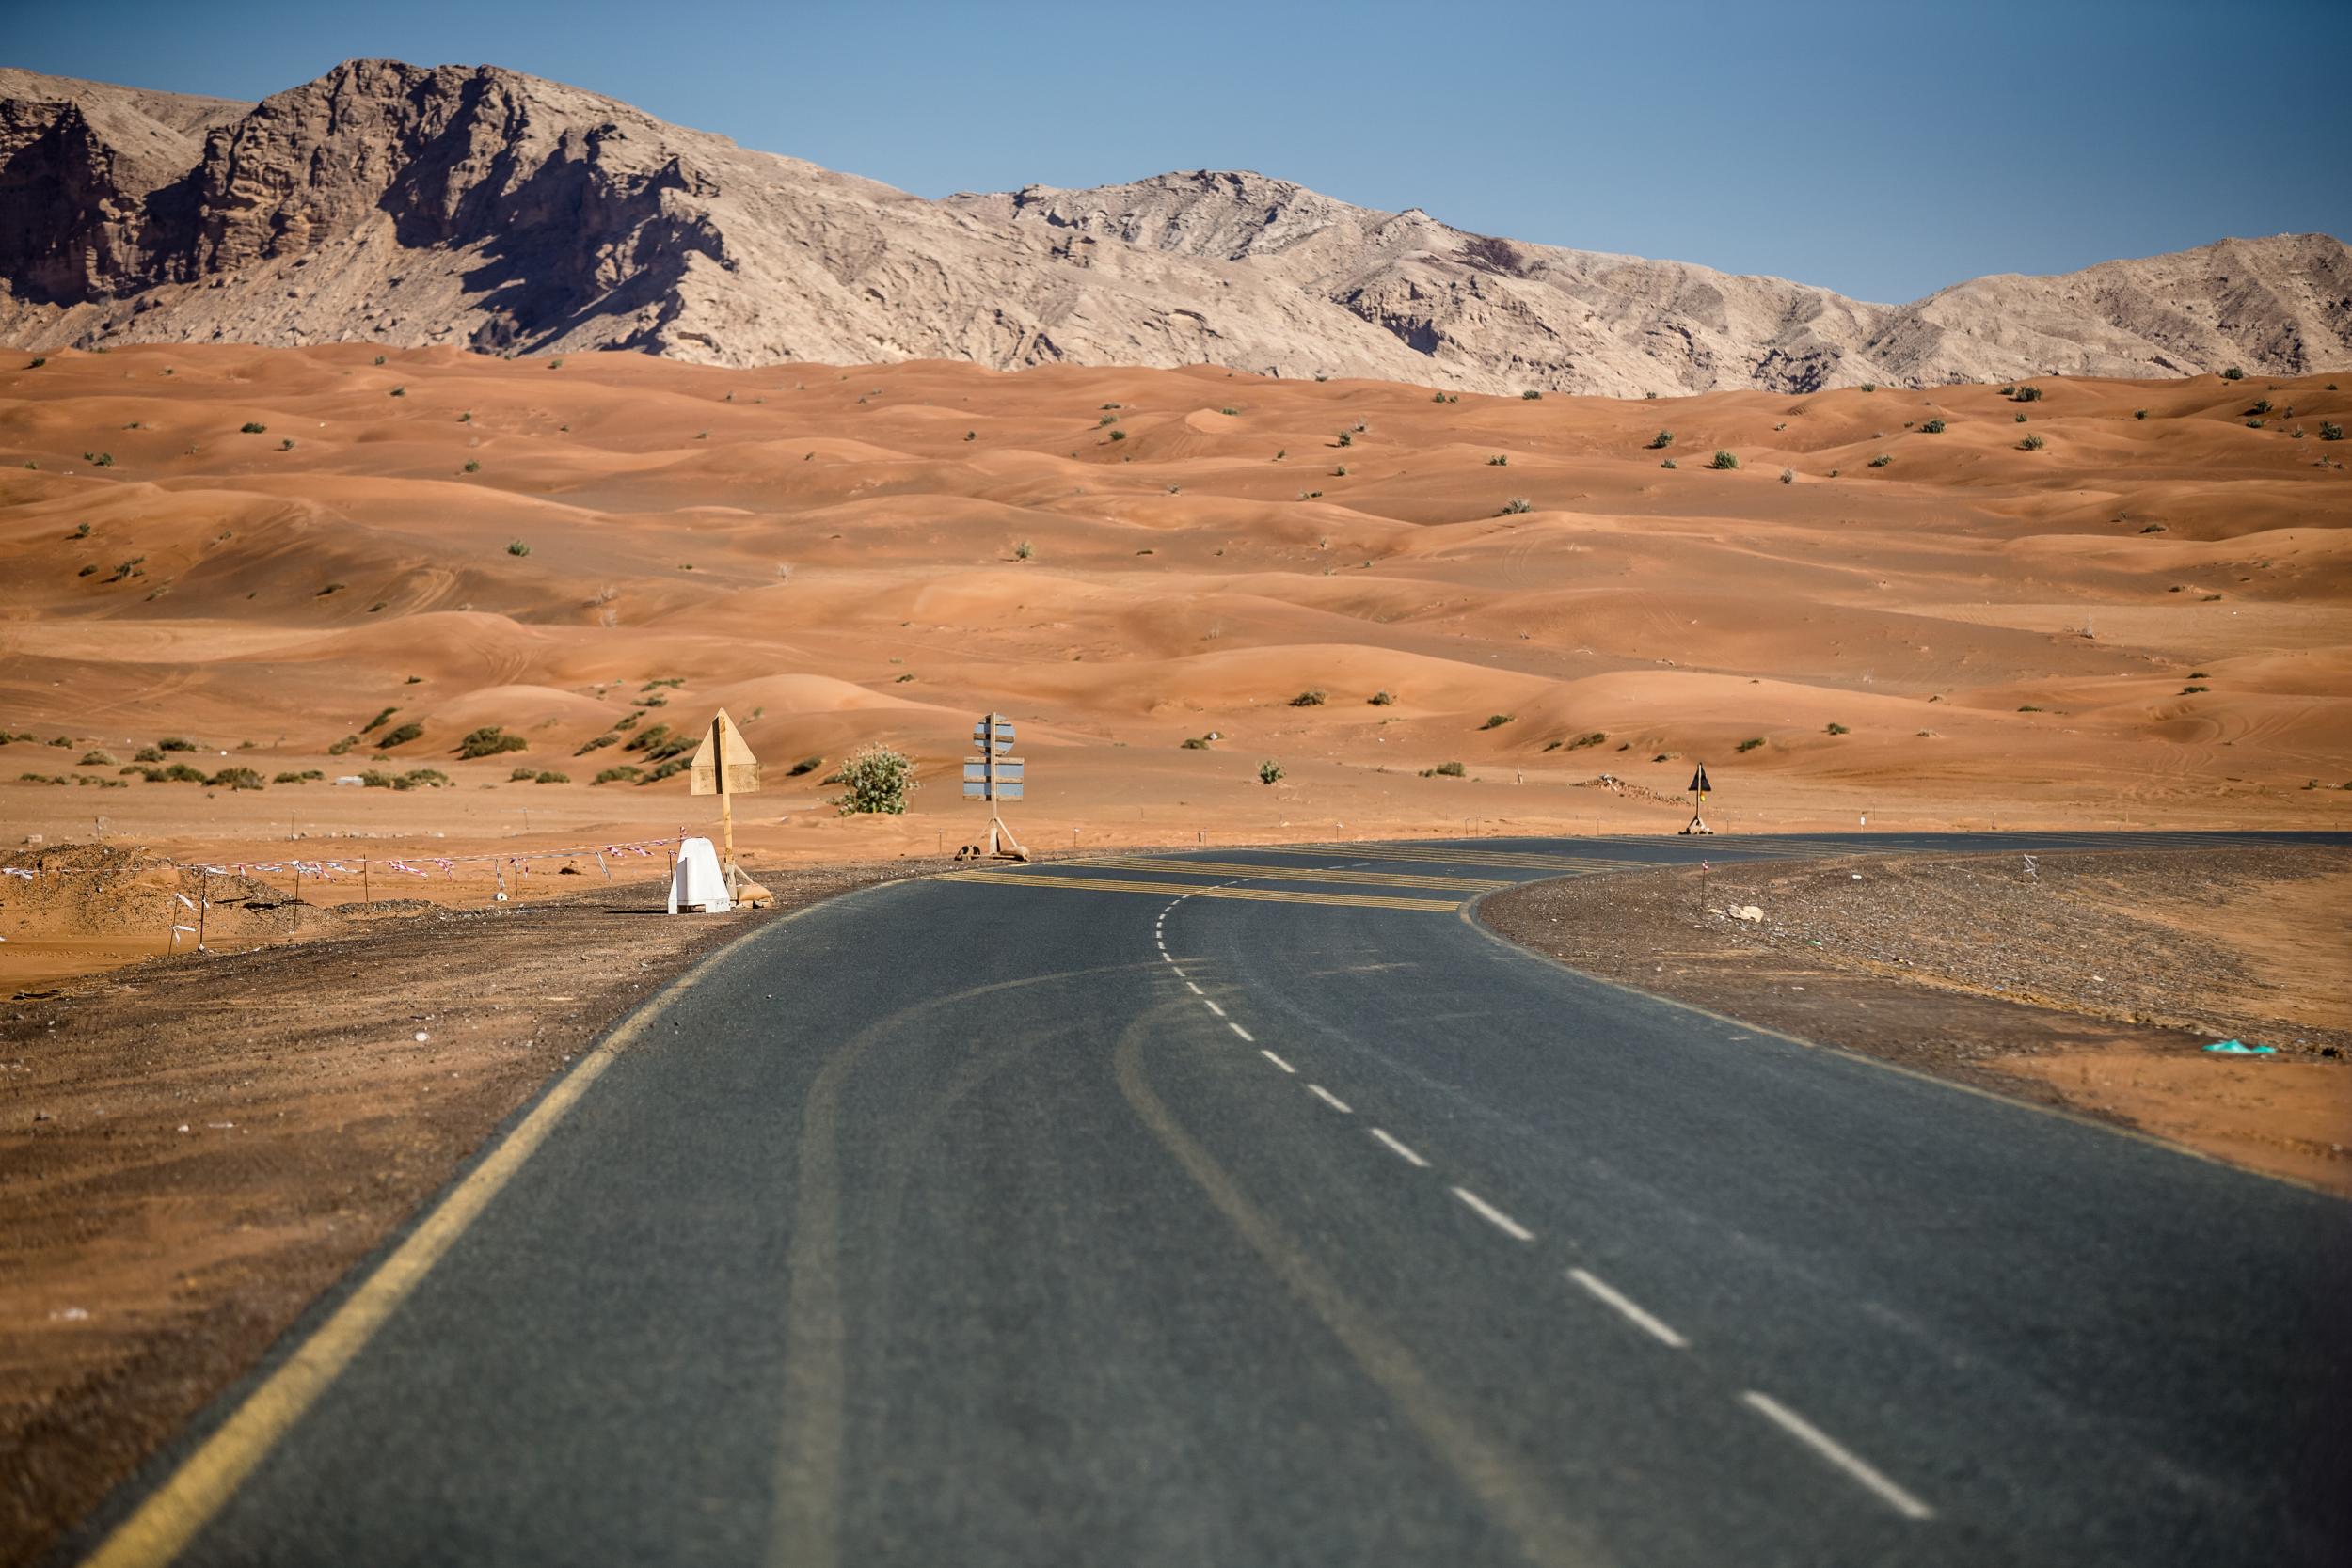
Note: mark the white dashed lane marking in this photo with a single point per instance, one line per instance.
(1830, 1448)
(1494, 1216)
(1242, 1032)
(1329, 1099)
(1400, 1150)
(1276, 1060)
(1602, 1290)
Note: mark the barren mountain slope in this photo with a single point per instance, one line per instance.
(472, 205)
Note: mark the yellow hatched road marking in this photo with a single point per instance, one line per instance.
(1193, 890)
(1447, 857)
(1298, 873)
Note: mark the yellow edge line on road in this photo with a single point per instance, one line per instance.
(1297, 872)
(170, 1518)
(1195, 889)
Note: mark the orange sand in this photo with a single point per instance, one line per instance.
(827, 554)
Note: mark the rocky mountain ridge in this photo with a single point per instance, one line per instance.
(477, 206)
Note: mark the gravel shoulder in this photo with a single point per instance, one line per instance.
(191, 1151)
(2090, 981)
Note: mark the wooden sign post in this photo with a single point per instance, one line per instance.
(724, 766)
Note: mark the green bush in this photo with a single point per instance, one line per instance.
(1446, 770)
(2233, 374)
(1788, 475)
(147, 754)
(2032, 443)
(235, 778)
(1310, 698)
(621, 775)
(1933, 427)
(1660, 441)
(97, 759)
(400, 736)
(876, 780)
(303, 777)
(2027, 394)
(1516, 505)
(1839, 729)
(1024, 550)
(551, 776)
(807, 764)
(2329, 432)
(1595, 738)
(252, 427)
(1724, 460)
(1383, 698)
(1196, 743)
(521, 775)
(179, 743)
(1749, 744)
(1532, 396)
(2139, 413)
(1498, 461)
(1496, 721)
(1881, 461)
(489, 741)
(515, 547)
(1269, 772)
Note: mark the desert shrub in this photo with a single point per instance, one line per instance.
(178, 772)
(2032, 443)
(876, 780)
(1660, 441)
(2027, 394)
(400, 736)
(1881, 461)
(1498, 461)
(474, 468)
(489, 741)
(1229, 411)
(1309, 698)
(2260, 405)
(1838, 728)
(2331, 431)
(2233, 374)
(1869, 386)
(1118, 434)
(235, 778)
(595, 742)
(128, 569)
(147, 754)
(1446, 770)
(39, 360)
(1532, 396)
(1515, 505)
(551, 776)
(515, 547)
(1667, 463)
(807, 764)
(522, 775)
(1724, 460)
(1024, 550)
(1788, 475)
(252, 427)
(399, 392)
(1348, 438)
(1593, 739)
(178, 743)
(971, 434)
(1933, 427)
(1382, 698)
(1269, 772)
(1749, 744)
(1107, 419)
(1496, 721)
(621, 774)
(303, 777)
(2139, 413)
(1196, 743)
(97, 759)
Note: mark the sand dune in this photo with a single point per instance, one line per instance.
(2146, 618)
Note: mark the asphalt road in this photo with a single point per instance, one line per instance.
(1259, 1207)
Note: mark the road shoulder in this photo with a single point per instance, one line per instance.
(2089, 982)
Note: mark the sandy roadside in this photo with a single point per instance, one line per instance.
(2090, 981)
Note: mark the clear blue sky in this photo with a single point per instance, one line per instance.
(1882, 149)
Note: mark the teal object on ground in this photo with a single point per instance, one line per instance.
(2239, 1048)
